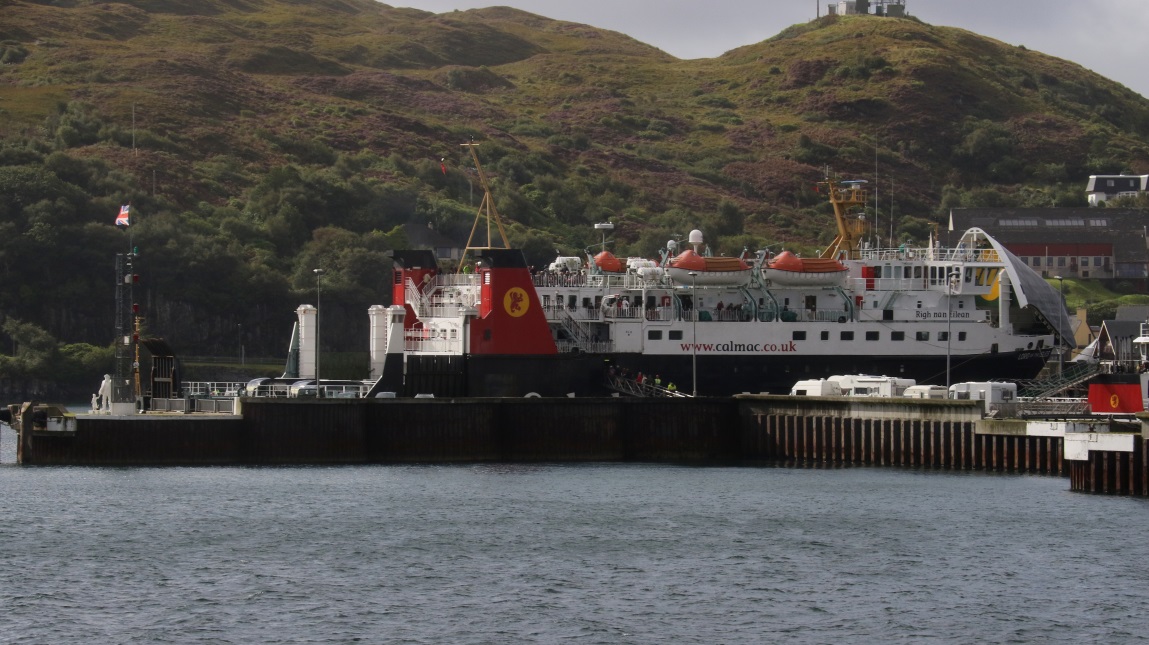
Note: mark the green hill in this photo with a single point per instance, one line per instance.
(259, 139)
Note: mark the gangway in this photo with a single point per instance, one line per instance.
(631, 387)
(1073, 376)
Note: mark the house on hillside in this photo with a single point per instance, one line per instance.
(891, 8)
(1103, 188)
(1098, 244)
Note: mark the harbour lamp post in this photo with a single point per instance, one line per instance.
(694, 333)
(1060, 349)
(953, 278)
(318, 291)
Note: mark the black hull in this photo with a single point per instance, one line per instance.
(584, 374)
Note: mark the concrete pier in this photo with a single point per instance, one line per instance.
(914, 433)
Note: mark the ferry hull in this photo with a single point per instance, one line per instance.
(584, 374)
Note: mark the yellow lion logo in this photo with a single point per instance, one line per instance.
(516, 302)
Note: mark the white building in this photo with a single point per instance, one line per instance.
(1103, 188)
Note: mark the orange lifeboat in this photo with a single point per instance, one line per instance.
(708, 271)
(788, 269)
(609, 263)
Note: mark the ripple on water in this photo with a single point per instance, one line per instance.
(597, 553)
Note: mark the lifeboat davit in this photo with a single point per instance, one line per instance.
(608, 262)
(790, 270)
(709, 271)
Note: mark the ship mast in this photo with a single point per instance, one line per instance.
(487, 212)
(845, 196)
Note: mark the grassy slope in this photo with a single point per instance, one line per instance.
(220, 80)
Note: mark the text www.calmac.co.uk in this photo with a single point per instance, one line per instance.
(740, 347)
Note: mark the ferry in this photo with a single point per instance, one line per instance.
(716, 326)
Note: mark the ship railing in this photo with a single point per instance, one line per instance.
(447, 310)
(415, 298)
(548, 279)
(660, 314)
(555, 312)
(888, 284)
(345, 391)
(432, 345)
(816, 315)
(213, 388)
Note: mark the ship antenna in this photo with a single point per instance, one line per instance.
(487, 211)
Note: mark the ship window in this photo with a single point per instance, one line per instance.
(546, 302)
(897, 335)
(871, 335)
(943, 336)
(454, 334)
(906, 273)
(675, 335)
(961, 304)
(919, 304)
(917, 272)
(825, 335)
(572, 301)
(799, 335)
(847, 335)
(993, 348)
(654, 334)
(487, 277)
(961, 336)
(586, 303)
(398, 277)
(923, 335)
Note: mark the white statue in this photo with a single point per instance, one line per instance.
(95, 402)
(106, 393)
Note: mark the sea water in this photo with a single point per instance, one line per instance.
(591, 553)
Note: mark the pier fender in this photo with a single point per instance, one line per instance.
(532, 395)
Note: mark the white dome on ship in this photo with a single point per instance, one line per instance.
(695, 237)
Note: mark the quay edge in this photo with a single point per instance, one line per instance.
(747, 429)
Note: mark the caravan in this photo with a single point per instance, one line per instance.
(992, 392)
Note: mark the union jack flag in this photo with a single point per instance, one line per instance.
(124, 218)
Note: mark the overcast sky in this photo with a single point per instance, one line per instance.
(1110, 37)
